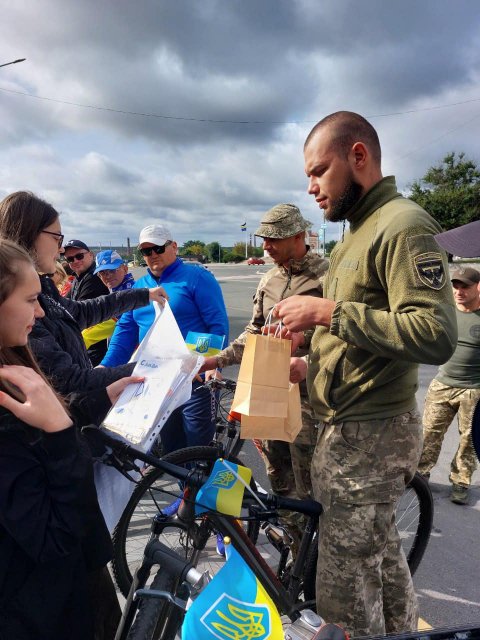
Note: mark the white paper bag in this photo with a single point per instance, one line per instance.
(169, 368)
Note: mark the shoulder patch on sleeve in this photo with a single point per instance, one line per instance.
(429, 267)
(428, 262)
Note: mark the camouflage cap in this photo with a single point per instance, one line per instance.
(282, 221)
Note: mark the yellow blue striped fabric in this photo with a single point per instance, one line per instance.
(234, 605)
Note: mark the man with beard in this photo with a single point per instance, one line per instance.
(387, 307)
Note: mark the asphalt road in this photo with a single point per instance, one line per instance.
(447, 582)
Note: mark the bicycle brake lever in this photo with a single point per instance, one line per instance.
(162, 595)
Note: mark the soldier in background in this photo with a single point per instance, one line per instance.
(456, 390)
(297, 271)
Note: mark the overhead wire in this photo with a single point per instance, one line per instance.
(222, 121)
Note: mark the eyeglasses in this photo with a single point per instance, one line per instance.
(77, 256)
(59, 236)
(108, 272)
(156, 249)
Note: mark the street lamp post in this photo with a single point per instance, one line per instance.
(5, 64)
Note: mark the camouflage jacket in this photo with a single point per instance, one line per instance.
(394, 309)
(302, 277)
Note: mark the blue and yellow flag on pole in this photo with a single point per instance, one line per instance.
(234, 606)
(206, 344)
(243, 226)
(223, 491)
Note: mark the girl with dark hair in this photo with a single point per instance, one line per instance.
(56, 338)
(54, 544)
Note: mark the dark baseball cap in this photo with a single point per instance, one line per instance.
(467, 275)
(76, 244)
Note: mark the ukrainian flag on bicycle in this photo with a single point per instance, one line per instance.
(223, 491)
(234, 606)
(206, 344)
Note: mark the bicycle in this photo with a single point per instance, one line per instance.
(414, 518)
(156, 610)
(129, 534)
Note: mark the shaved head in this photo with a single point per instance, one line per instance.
(346, 128)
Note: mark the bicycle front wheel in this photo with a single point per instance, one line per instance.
(157, 618)
(158, 490)
(414, 519)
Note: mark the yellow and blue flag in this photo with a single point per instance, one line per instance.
(223, 491)
(233, 606)
(206, 344)
(243, 226)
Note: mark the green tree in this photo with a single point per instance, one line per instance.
(450, 192)
(239, 250)
(214, 251)
(193, 248)
(329, 246)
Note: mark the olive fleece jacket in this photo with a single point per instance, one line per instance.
(301, 277)
(394, 309)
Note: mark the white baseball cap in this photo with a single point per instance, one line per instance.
(155, 234)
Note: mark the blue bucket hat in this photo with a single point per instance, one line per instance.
(109, 259)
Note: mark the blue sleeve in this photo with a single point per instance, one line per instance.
(209, 300)
(123, 342)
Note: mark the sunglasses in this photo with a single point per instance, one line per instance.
(156, 249)
(77, 256)
(59, 237)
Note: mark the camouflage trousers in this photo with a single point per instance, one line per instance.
(442, 403)
(288, 468)
(359, 472)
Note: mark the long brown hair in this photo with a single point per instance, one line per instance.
(13, 260)
(23, 216)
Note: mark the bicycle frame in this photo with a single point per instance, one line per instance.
(156, 553)
(123, 455)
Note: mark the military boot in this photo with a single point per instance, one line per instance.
(459, 494)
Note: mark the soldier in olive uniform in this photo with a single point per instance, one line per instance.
(387, 307)
(456, 389)
(297, 271)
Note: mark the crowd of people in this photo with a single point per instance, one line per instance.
(359, 326)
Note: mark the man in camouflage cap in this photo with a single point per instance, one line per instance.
(282, 221)
(297, 271)
(456, 389)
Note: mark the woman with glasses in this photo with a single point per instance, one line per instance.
(56, 338)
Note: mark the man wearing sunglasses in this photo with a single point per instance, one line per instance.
(197, 304)
(86, 286)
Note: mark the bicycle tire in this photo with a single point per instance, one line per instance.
(158, 618)
(224, 403)
(133, 529)
(414, 518)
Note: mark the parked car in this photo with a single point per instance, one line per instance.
(255, 261)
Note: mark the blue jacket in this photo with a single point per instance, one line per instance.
(196, 301)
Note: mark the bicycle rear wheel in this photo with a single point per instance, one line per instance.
(228, 424)
(156, 491)
(158, 618)
(414, 519)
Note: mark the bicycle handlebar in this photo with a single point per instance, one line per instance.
(126, 452)
(221, 383)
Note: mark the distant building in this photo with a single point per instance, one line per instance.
(311, 238)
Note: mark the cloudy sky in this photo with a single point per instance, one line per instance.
(193, 112)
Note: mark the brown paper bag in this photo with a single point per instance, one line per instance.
(263, 379)
(266, 428)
